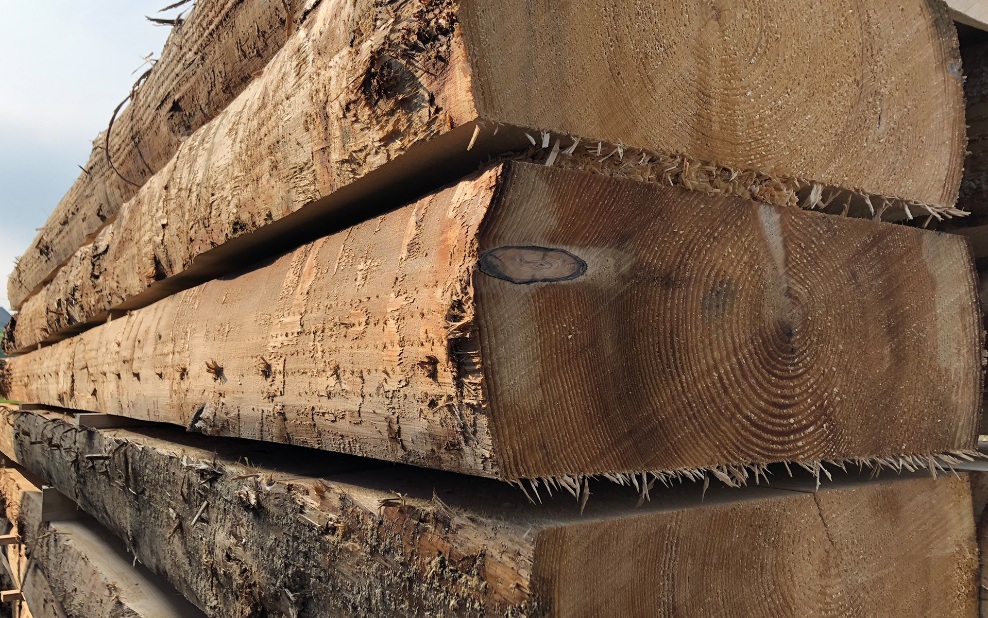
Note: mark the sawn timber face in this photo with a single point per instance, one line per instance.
(708, 331)
(361, 342)
(676, 331)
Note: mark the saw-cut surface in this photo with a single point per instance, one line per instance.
(250, 529)
(208, 60)
(978, 475)
(335, 116)
(535, 322)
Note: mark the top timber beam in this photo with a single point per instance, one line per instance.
(736, 84)
(210, 57)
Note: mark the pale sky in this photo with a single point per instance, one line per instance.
(66, 65)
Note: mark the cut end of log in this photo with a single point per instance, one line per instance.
(706, 324)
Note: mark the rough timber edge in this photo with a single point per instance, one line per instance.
(742, 475)
(578, 485)
(140, 593)
(686, 172)
(217, 13)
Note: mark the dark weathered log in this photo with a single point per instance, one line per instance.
(248, 529)
(88, 574)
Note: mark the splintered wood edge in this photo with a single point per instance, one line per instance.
(738, 476)
(712, 178)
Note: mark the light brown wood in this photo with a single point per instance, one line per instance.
(11, 596)
(208, 60)
(979, 485)
(398, 541)
(89, 573)
(675, 331)
(330, 128)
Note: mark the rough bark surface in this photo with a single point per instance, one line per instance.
(208, 60)
(535, 322)
(361, 83)
(39, 598)
(86, 576)
(251, 530)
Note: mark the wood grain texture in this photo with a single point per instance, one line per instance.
(87, 575)
(871, 550)
(302, 534)
(361, 84)
(206, 63)
(979, 489)
(40, 600)
(704, 331)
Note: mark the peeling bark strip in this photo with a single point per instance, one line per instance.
(208, 60)
(80, 565)
(706, 331)
(297, 533)
(332, 124)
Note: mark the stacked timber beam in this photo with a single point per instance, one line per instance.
(68, 565)
(343, 534)
(424, 234)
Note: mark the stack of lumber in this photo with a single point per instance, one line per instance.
(571, 249)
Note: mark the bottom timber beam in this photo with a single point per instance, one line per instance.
(40, 601)
(259, 529)
(74, 568)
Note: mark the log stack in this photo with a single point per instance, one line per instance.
(470, 308)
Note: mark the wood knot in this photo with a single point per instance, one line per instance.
(215, 370)
(264, 367)
(529, 264)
